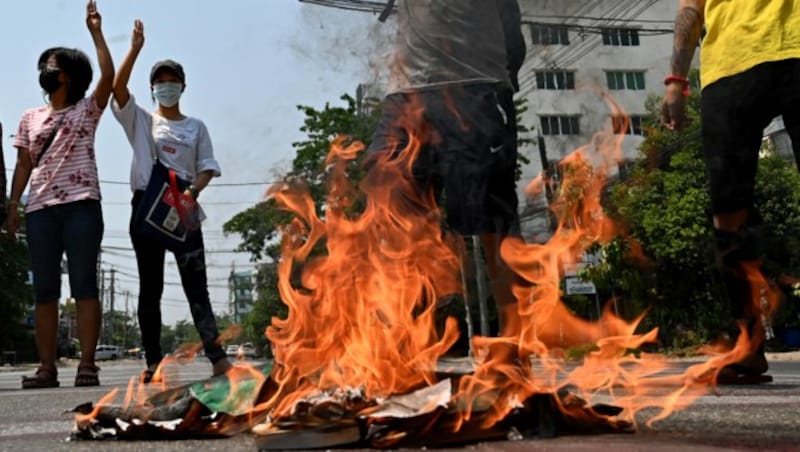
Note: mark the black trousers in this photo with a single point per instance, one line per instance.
(192, 268)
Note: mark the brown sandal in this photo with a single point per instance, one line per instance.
(87, 375)
(43, 378)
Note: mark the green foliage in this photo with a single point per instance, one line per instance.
(665, 206)
(269, 305)
(16, 295)
(259, 226)
(121, 328)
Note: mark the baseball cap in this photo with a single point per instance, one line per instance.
(173, 66)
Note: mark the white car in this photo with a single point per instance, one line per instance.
(105, 352)
(247, 350)
(232, 350)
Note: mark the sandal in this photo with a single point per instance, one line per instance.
(43, 378)
(87, 375)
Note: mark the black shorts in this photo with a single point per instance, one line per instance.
(735, 110)
(468, 153)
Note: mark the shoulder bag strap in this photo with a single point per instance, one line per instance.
(49, 141)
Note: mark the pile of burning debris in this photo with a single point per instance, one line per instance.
(357, 357)
(428, 417)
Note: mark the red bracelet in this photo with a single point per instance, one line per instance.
(677, 78)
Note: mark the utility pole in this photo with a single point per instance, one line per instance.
(547, 178)
(111, 308)
(103, 302)
(125, 325)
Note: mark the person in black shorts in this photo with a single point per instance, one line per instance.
(750, 73)
(452, 89)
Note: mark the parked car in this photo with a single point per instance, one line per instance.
(105, 352)
(232, 350)
(247, 350)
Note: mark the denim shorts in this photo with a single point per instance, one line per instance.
(75, 228)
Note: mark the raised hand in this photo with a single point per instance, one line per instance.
(137, 38)
(93, 19)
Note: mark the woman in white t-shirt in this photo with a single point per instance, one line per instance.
(183, 144)
(56, 154)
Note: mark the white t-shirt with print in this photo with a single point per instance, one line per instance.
(183, 145)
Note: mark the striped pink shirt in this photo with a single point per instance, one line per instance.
(67, 172)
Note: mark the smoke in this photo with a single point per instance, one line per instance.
(345, 42)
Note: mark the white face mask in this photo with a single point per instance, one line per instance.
(168, 93)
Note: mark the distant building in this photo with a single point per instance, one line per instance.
(581, 55)
(776, 135)
(369, 97)
(240, 285)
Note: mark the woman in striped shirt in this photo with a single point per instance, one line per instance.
(55, 145)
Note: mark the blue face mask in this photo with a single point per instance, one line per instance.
(168, 93)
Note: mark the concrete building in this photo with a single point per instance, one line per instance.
(778, 139)
(580, 52)
(242, 297)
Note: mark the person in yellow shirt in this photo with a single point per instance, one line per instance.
(749, 73)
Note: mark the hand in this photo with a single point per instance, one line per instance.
(673, 107)
(12, 221)
(93, 19)
(137, 38)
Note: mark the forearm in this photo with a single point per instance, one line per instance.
(202, 180)
(121, 93)
(688, 27)
(106, 64)
(22, 172)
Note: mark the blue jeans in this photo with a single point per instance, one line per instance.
(75, 228)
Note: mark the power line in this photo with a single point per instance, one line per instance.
(207, 251)
(556, 16)
(211, 185)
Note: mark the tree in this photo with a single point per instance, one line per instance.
(168, 338)
(665, 206)
(185, 333)
(260, 225)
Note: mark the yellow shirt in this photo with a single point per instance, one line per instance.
(741, 34)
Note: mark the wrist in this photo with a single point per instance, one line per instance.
(193, 191)
(678, 80)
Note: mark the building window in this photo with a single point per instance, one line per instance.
(628, 125)
(543, 34)
(625, 80)
(560, 125)
(620, 37)
(555, 80)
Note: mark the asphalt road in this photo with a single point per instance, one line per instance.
(765, 417)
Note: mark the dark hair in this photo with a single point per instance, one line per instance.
(75, 64)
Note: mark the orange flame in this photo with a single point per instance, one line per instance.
(360, 312)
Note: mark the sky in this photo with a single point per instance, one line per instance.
(248, 64)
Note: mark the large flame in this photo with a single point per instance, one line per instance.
(361, 311)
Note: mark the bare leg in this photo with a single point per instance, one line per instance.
(502, 279)
(89, 318)
(46, 316)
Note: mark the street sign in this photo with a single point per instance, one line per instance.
(577, 286)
